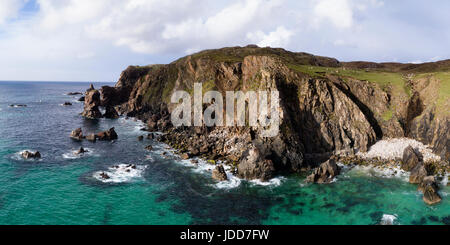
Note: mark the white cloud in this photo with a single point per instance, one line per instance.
(338, 12)
(9, 9)
(278, 38)
(85, 36)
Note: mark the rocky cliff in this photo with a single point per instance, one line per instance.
(327, 107)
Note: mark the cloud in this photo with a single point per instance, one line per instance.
(85, 39)
(278, 38)
(338, 12)
(10, 9)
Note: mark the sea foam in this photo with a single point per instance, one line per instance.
(121, 173)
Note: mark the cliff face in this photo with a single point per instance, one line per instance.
(327, 107)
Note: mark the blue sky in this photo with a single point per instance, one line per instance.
(86, 40)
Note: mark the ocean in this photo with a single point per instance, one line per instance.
(63, 188)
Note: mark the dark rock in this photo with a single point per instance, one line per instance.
(67, 104)
(219, 173)
(81, 151)
(410, 159)
(110, 113)
(149, 148)
(30, 155)
(74, 93)
(150, 136)
(417, 174)
(18, 105)
(104, 175)
(430, 188)
(91, 105)
(253, 166)
(141, 138)
(77, 134)
(107, 135)
(81, 99)
(193, 161)
(325, 173)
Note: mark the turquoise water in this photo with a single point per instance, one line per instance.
(62, 189)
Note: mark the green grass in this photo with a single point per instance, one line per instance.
(387, 115)
(384, 79)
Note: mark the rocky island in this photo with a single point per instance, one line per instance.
(331, 111)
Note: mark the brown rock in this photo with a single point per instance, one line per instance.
(77, 134)
(91, 105)
(325, 173)
(92, 137)
(417, 174)
(410, 159)
(149, 148)
(30, 155)
(219, 173)
(184, 156)
(253, 166)
(107, 135)
(141, 138)
(110, 113)
(430, 188)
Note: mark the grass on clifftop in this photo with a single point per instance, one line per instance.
(381, 78)
(443, 99)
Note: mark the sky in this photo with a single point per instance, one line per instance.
(95, 40)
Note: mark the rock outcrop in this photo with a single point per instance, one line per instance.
(430, 188)
(91, 105)
(325, 173)
(219, 173)
(410, 159)
(77, 134)
(418, 173)
(326, 107)
(110, 113)
(107, 135)
(31, 155)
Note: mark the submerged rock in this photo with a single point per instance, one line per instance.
(325, 173)
(219, 173)
(77, 134)
(149, 148)
(30, 155)
(141, 138)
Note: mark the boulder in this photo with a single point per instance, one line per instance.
(67, 104)
(104, 175)
(417, 174)
(77, 134)
(81, 151)
(410, 159)
(150, 136)
(149, 148)
(91, 105)
(254, 166)
(185, 156)
(81, 99)
(141, 138)
(30, 155)
(152, 125)
(107, 135)
(219, 173)
(110, 113)
(92, 137)
(430, 188)
(325, 173)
